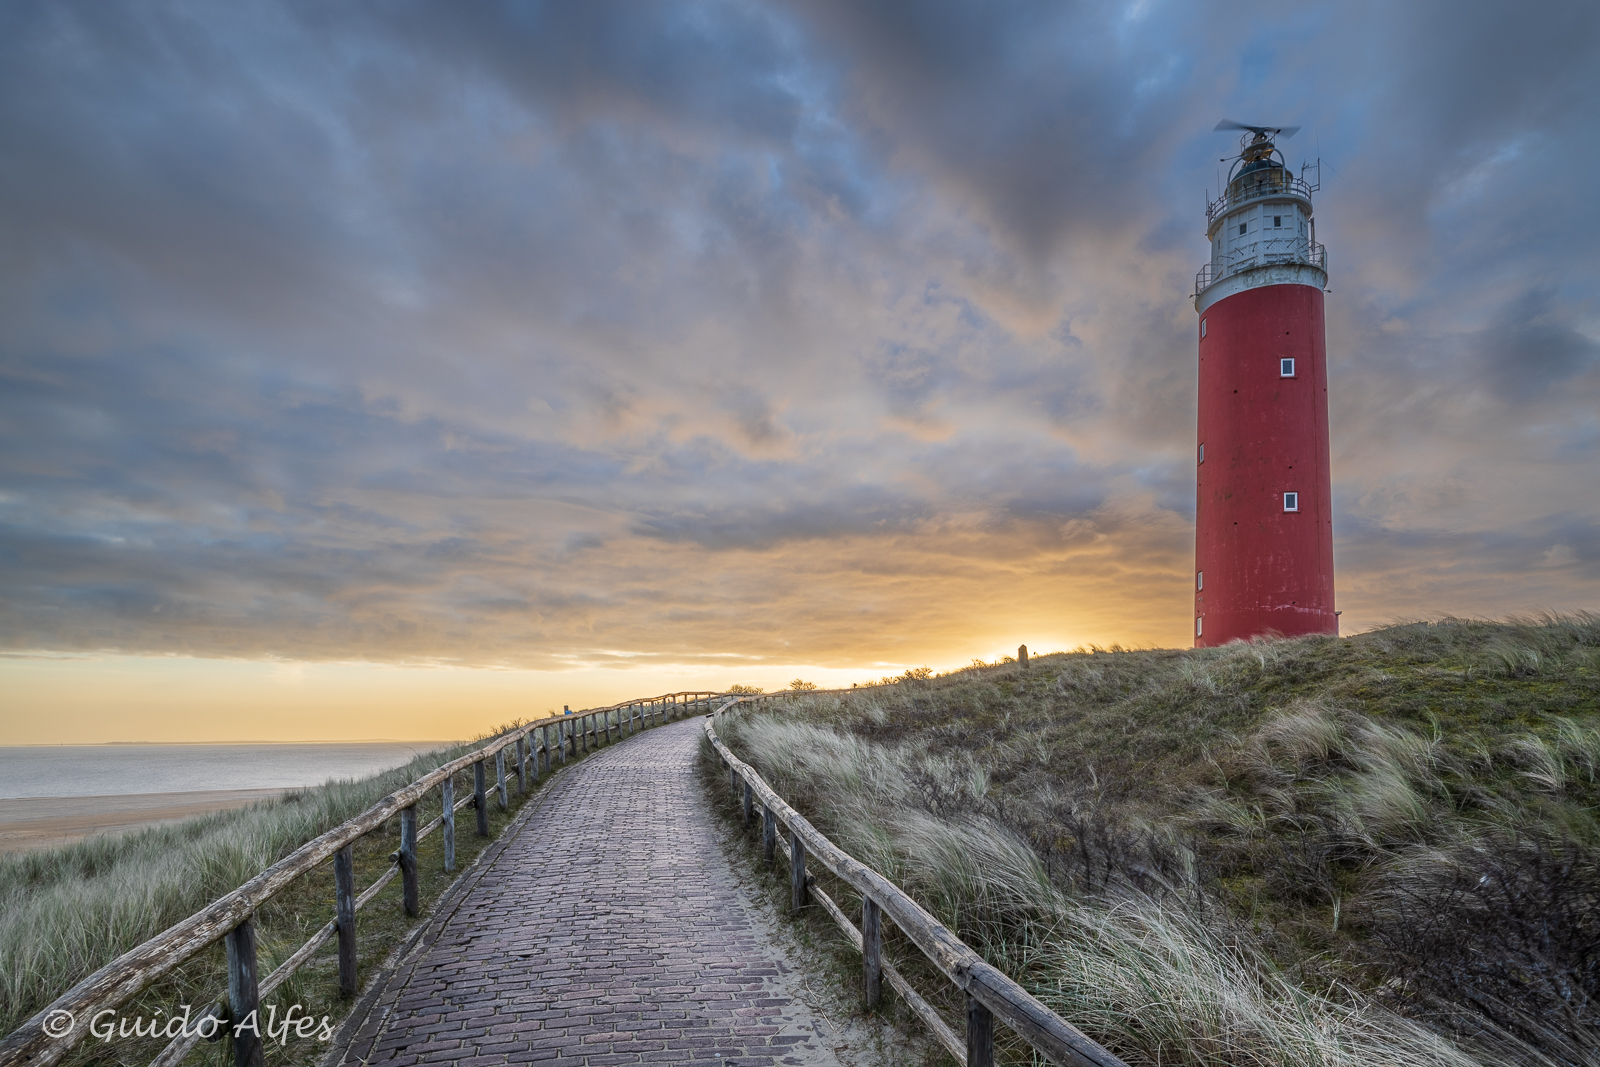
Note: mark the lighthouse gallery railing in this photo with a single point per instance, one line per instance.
(1268, 253)
(1255, 187)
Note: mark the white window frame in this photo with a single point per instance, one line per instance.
(1286, 367)
(1291, 501)
(1202, 328)
(1199, 581)
(1198, 627)
(1202, 453)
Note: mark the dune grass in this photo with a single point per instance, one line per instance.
(1309, 851)
(66, 912)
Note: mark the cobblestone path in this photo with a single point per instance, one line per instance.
(606, 927)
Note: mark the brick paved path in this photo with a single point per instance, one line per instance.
(606, 927)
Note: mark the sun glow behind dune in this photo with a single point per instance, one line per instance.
(53, 700)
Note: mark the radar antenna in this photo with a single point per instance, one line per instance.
(1256, 141)
(1262, 133)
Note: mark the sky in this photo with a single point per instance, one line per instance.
(395, 370)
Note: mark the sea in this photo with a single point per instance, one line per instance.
(120, 770)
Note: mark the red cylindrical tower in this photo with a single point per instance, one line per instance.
(1263, 520)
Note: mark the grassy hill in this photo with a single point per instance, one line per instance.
(1380, 849)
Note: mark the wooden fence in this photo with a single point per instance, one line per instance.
(536, 748)
(990, 994)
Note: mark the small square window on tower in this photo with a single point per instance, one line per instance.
(1291, 502)
(1241, 229)
(1286, 368)
(1277, 221)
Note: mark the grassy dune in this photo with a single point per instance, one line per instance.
(1381, 849)
(65, 912)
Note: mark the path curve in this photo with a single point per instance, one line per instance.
(605, 927)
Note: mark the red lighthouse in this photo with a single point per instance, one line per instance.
(1263, 545)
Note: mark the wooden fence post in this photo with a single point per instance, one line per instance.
(544, 732)
(871, 951)
(344, 881)
(480, 797)
(408, 858)
(1022, 656)
(799, 896)
(769, 833)
(749, 805)
(447, 793)
(500, 778)
(522, 765)
(980, 1034)
(244, 998)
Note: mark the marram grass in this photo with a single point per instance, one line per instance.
(1315, 851)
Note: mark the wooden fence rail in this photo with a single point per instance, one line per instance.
(990, 994)
(229, 918)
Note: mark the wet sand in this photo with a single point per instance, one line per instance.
(45, 822)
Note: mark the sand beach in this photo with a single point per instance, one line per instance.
(28, 823)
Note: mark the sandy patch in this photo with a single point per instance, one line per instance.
(45, 822)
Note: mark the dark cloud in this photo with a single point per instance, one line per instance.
(509, 331)
(1049, 118)
(1535, 349)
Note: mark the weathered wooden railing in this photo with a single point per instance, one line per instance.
(990, 994)
(229, 919)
